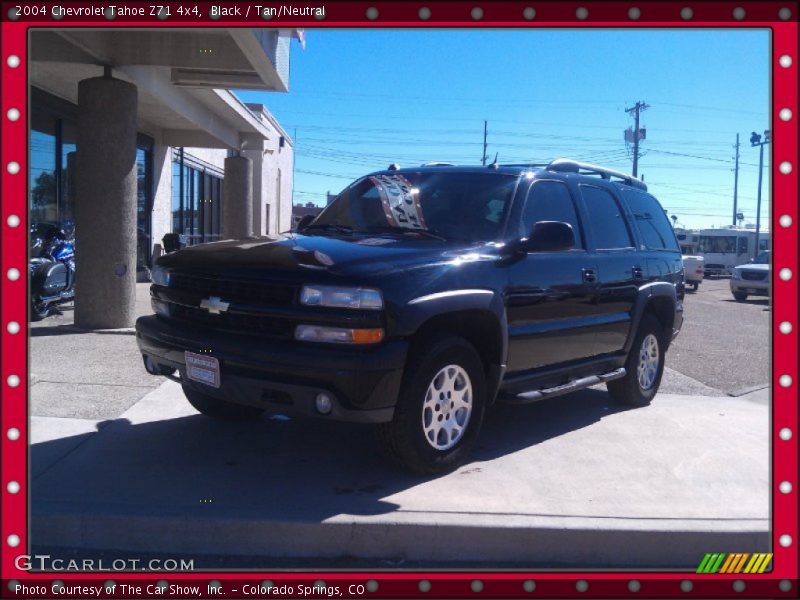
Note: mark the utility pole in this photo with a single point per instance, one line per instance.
(485, 130)
(756, 140)
(639, 107)
(736, 181)
(294, 145)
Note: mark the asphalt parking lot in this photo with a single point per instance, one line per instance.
(724, 344)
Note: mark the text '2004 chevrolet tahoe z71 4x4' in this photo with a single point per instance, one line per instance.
(421, 296)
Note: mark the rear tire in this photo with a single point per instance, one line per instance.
(218, 408)
(695, 285)
(439, 410)
(740, 297)
(644, 366)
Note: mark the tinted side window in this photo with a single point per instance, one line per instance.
(605, 218)
(654, 226)
(550, 201)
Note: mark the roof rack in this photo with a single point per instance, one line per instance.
(438, 164)
(565, 165)
(530, 164)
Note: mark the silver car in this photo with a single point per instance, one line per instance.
(751, 279)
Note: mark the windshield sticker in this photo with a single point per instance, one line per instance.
(400, 201)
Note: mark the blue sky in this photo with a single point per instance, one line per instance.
(362, 99)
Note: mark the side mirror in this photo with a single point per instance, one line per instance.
(551, 236)
(305, 222)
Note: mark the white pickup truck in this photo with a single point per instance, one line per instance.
(693, 270)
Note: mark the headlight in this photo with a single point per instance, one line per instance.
(337, 335)
(159, 276)
(341, 297)
(736, 274)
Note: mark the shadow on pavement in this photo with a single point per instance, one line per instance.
(308, 470)
(52, 330)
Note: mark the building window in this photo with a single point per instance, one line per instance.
(144, 202)
(196, 201)
(52, 173)
(177, 194)
(43, 198)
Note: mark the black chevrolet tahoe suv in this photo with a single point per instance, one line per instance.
(420, 297)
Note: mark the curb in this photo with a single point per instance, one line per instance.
(453, 537)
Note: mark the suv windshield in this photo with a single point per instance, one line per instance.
(762, 258)
(453, 205)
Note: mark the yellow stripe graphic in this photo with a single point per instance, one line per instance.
(757, 564)
(765, 564)
(751, 564)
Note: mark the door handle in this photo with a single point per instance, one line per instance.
(638, 273)
(589, 275)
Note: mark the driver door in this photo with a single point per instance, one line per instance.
(550, 300)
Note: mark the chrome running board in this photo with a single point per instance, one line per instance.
(572, 386)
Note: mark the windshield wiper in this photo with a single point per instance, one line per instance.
(329, 227)
(404, 230)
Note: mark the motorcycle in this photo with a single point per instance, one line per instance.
(51, 266)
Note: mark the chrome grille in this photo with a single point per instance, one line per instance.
(233, 290)
(754, 275)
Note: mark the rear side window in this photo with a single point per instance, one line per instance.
(550, 201)
(606, 219)
(653, 224)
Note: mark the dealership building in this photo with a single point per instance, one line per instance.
(136, 133)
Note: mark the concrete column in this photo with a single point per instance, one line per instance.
(105, 204)
(237, 198)
(257, 156)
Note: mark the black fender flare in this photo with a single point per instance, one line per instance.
(423, 308)
(657, 289)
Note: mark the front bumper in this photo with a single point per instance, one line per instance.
(751, 288)
(284, 377)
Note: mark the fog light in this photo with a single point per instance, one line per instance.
(159, 307)
(323, 403)
(151, 366)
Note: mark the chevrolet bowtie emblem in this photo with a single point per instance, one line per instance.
(215, 305)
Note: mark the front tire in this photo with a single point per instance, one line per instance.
(440, 408)
(739, 296)
(644, 366)
(217, 408)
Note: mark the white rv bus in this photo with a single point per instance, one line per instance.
(723, 249)
(689, 239)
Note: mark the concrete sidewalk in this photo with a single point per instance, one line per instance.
(570, 481)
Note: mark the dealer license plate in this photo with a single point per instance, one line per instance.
(202, 368)
(752, 291)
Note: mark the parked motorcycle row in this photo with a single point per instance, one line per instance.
(51, 266)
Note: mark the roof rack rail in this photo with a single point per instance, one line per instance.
(437, 163)
(530, 164)
(565, 165)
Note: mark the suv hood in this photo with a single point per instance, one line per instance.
(359, 255)
(752, 267)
